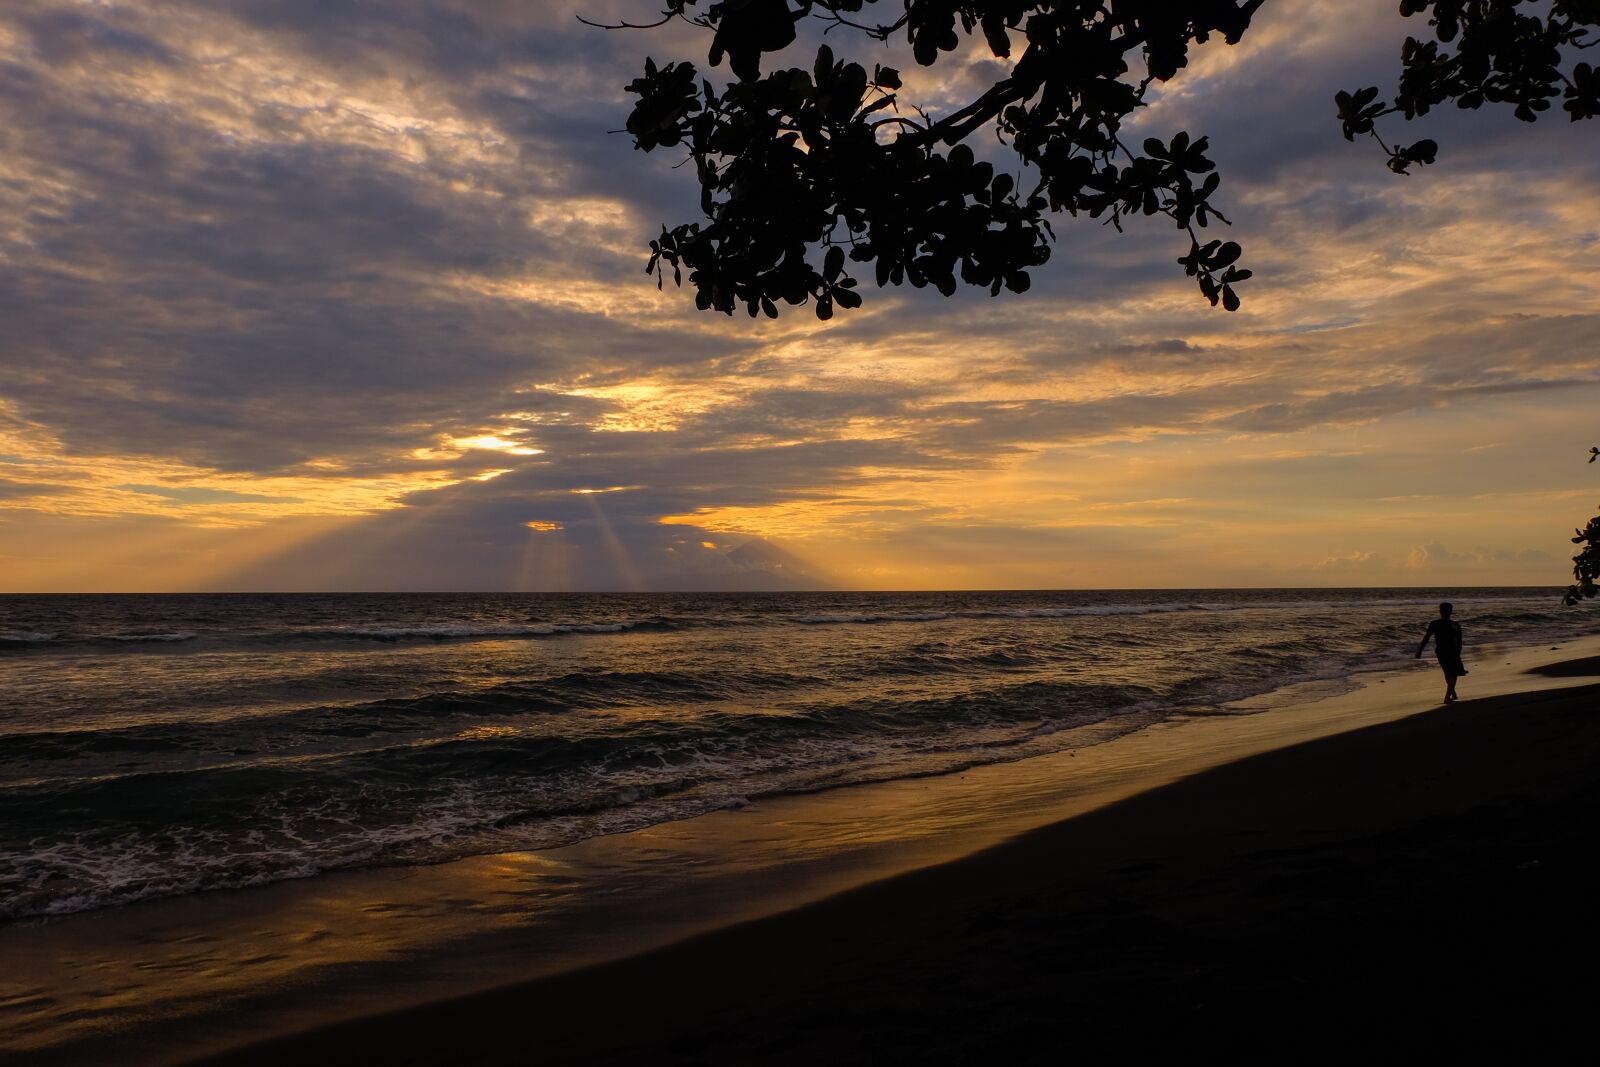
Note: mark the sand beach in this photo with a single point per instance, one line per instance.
(1366, 872)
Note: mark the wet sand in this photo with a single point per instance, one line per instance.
(1420, 884)
(1420, 888)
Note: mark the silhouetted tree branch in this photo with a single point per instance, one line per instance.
(1500, 55)
(799, 164)
(802, 172)
(1586, 564)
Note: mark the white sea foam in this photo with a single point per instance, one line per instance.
(1093, 611)
(161, 638)
(448, 631)
(834, 620)
(26, 637)
(1087, 611)
(393, 633)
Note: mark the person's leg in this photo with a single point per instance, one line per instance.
(1450, 686)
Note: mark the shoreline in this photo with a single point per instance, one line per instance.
(1438, 910)
(346, 947)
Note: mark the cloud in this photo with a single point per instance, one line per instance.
(480, 545)
(1436, 556)
(15, 489)
(286, 261)
(1351, 562)
(203, 495)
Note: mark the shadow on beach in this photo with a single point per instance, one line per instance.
(1589, 666)
(1421, 888)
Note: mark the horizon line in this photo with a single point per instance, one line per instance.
(764, 592)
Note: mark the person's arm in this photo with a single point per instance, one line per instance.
(1425, 635)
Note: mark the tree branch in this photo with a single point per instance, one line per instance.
(956, 126)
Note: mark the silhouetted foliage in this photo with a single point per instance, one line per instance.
(1484, 51)
(1586, 564)
(828, 163)
(800, 164)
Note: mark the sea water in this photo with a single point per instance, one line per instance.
(163, 745)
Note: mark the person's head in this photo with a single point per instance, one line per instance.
(1445, 609)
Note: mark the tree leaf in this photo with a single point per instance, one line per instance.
(833, 263)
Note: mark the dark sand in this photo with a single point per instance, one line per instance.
(1571, 668)
(1417, 890)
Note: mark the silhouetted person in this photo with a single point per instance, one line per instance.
(1445, 633)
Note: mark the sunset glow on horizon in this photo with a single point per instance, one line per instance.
(351, 297)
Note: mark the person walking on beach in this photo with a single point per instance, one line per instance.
(1445, 633)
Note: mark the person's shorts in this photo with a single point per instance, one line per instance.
(1451, 663)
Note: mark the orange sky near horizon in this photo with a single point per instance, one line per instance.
(335, 299)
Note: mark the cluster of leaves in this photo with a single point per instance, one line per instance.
(1484, 51)
(1586, 564)
(799, 165)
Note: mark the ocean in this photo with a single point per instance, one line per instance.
(164, 745)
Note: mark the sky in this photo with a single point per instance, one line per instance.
(344, 295)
